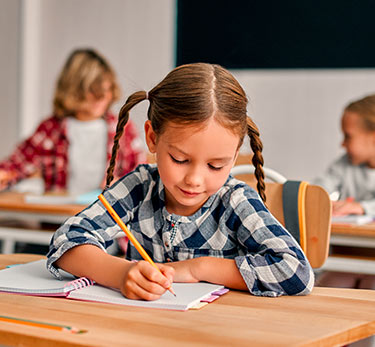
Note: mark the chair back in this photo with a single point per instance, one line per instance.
(247, 173)
(315, 212)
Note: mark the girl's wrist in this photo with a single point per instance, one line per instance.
(195, 268)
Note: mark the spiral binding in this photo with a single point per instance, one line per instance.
(80, 283)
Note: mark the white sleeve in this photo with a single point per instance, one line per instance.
(332, 179)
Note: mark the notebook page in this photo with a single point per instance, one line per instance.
(187, 295)
(33, 278)
(353, 219)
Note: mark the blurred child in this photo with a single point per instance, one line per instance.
(195, 221)
(352, 176)
(71, 149)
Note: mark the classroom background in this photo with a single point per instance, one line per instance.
(297, 110)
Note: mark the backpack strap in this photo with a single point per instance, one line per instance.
(294, 193)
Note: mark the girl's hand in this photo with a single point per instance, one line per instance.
(5, 178)
(143, 281)
(345, 207)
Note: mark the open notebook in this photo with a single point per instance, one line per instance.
(34, 279)
(353, 219)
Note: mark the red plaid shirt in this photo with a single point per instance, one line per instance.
(46, 151)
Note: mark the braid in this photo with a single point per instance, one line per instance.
(257, 147)
(123, 118)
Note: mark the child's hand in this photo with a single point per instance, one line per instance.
(345, 207)
(143, 281)
(5, 178)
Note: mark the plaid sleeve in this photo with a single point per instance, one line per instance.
(94, 225)
(25, 159)
(273, 263)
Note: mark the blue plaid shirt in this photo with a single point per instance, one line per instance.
(233, 224)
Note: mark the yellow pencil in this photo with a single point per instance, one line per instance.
(130, 236)
(37, 324)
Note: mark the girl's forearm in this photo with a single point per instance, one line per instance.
(92, 262)
(217, 270)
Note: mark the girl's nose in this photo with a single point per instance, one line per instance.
(194, 177)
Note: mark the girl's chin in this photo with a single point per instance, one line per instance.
(356, 161)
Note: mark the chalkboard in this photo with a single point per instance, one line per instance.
(272, 34)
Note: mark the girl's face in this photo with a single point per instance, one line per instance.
(193, 162)
(92, 107)
(358, 142)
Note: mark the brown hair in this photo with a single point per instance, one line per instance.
(191, 94)
(84, 72)
(365, 108)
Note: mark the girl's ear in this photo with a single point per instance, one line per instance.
(150, 137)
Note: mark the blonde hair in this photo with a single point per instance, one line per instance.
(365, 108)
(191, 94)
(84, 72)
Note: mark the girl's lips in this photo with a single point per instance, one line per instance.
(191, 194)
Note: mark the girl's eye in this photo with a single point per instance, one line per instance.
(178, 161)
(214, 167)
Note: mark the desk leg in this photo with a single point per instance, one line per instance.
(10, 236)
(8, 246)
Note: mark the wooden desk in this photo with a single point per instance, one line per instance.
(20, 221)
(361, 238)
(327, 317)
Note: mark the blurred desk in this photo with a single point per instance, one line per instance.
(327, 317)
(31, 223)
(357, 244)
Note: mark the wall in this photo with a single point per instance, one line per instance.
(298, 111)
(9, 73)
(137, 37)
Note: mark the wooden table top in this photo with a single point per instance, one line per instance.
(327, 317)
(365, 230)
(15, 202)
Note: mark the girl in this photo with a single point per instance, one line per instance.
(353, 175)
(72, 148)
(190, 215)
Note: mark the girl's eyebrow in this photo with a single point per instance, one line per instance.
(222, 159)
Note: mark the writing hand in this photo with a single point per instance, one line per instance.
(143, 281)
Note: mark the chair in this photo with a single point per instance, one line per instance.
(313, 207)
(249, 169)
